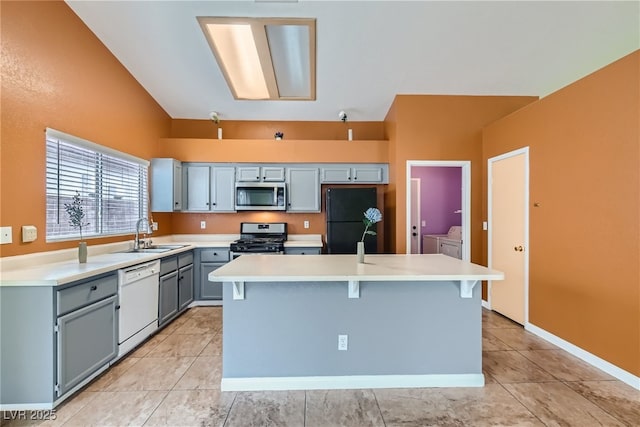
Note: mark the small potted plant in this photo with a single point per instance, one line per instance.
(371, 216)
(76, 220)
(279, 135)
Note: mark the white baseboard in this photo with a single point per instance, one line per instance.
(486, 305)
(205, 303)
(592, 359)
(351, 382)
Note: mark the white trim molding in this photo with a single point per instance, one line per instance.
(465, 166)
(592, 359)
(351, 382)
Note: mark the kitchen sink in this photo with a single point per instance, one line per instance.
(155, 249)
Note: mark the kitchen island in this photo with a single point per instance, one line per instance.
(399, 321)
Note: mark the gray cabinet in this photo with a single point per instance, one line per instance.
(87, 340)
(302, 251)
(223, 186)
(260, 174)
(354, 174)
(198, 185)
(185, 287)
(168, 297)
(207, 260)
(209, 188)
(304, 189)
(87, 329)
(166, 174)
(176, 286)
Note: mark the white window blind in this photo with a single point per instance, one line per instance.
(113, 187)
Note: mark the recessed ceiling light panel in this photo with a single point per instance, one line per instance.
(264, 58)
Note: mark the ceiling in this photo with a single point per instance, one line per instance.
(370, 51)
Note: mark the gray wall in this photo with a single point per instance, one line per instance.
(394, 328)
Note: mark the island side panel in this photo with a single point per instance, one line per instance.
(394, 328)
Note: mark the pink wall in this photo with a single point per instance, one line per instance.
(440, 196)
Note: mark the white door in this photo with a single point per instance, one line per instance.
(508, 233)
(415, 216)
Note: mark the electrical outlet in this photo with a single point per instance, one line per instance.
(29, 233)
(154, 226)
(203, 224)
(485, 225)
(306, 224)
(424, 223)
(6, 235)
(343, 342)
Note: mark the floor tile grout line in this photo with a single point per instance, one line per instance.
(375, 396)
(235, 396)
(614, 416)
(521, 403)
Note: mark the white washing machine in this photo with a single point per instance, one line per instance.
(447, 244)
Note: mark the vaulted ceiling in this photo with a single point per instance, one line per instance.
(370, 51)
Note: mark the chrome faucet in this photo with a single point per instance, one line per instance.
(136, 241)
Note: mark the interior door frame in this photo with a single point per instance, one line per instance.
(418, 211)
(466, 200)
(490, 161)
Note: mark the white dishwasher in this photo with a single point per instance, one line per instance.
(138, 295)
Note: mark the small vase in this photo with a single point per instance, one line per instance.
(360, 252)
(82, 252)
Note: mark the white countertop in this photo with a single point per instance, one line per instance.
(306, 268)
(60, 267)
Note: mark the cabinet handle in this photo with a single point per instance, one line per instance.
(214, 203)
(181, 278)
(93, 288)
(414, 234)
(118, 307)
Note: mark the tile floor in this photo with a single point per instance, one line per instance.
(173, 380)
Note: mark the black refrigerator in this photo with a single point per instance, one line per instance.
(345, 212)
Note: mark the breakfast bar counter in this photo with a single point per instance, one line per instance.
(328, 322)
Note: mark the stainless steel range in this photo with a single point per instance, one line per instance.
(259, 238)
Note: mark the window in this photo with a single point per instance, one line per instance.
(112, 186)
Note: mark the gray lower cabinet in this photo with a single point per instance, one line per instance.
(168, 297)
(176, 286)
(87, 340)
(86, 329)
(207, 260)
(209, 290)
(185, 287)
(302, 251)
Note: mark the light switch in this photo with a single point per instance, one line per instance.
(203, 224)
(29, 233)
(6, 235)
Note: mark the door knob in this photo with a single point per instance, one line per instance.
(518, 248)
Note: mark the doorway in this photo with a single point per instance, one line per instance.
(508, 237)
(419, 220)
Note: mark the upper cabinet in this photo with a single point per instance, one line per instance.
(354, 174)
(209, 188)
(304, 189)
(166, 174)
(260, 173)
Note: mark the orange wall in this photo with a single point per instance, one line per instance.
(56, 73)
(585, 235)
(238, 129)
(440, 127)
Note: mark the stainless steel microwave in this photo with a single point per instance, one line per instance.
(261, 196)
